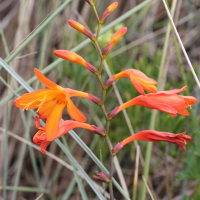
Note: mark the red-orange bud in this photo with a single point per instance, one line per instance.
(107, 12)
(101, 177)
(82, 29)
(99, 131)
(95, 99)
(91, 68)
(109, 82)
(117, 148)
(113, 40)
(113, 113)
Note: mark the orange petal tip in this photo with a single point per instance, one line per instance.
(108, 11)
(79, 27)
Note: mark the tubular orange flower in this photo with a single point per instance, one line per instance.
(113, 40)
(101, 177)
(138, 79)
(73, 57)
(65, 126)
(165, 101)
(107, 12)
(51, 102)
(154, 136)
(79, 27)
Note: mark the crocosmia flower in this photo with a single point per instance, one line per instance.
(51, 102)
(113, 40)
(107, 12)
(79, 27)
(40, 137)
(165, 101)
(154, 136)
(138, 79)
(73, 57)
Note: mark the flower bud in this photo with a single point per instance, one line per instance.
(101, 177)
(109, 82)
(113, 113)
(99, 131)
(95, 99)
(82, 29)
(107, 12)
(91, 68)
(37, 122)
(117, 148)
(113, 40)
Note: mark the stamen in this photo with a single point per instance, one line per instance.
(42, 102)
(27, 105)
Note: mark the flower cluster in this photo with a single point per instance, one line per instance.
(50, 102)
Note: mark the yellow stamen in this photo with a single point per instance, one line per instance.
(40, 105)
(27, 105)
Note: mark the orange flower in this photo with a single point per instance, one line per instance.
(113, 40)
(65, 126)
(51, 102)
(154, 136)
(138, 79)
(165, 101)
(82, 29)
(107, 12)
(73, 57)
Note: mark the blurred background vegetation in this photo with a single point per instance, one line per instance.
(174, 174)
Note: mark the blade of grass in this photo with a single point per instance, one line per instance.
(26, 189)
(148, 188)
(37, 31)
(78, 181)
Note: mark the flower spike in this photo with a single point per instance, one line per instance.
(101, 177)
(154, 136)
(73, 57)
(79, 27)
(40, 137)
(165, 101)
(51, 102)
(113, 40)
(138, 79)
(108, 11)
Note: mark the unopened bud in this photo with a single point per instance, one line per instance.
(99, 131)
(95, 99)
(117, 148)
(113, 113)
(109, 82)
(107, 12)
(93, 69)
(101, 177)
(82, 29)
(113, 40)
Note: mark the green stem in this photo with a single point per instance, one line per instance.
(96, 14)
(98, 31)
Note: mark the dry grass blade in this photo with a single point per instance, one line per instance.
(181, 44)
(148, 188)
(39, 197)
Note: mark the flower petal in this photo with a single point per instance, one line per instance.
(74, 112)
(137, 85)
(51, 127)
(46, 109)
(183, 112)
(31, 100)
(45, 81)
